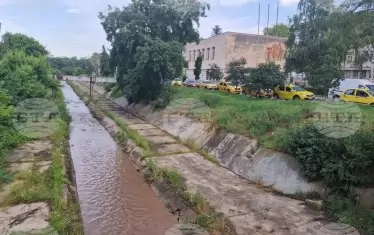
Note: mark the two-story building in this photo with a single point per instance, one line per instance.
(223, 48)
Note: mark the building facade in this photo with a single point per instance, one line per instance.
(223, 48)
(353, 71)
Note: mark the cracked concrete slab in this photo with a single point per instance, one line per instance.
(24, 218)
(250, 209)
(161, 139)
(168, 149)
(29, 151)
(151, 132)
(141, 126)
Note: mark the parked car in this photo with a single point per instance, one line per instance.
(292, 92)
(207, 85)
(350, 83)
(190, 83)
(177, 82)
(229, 88)
(362, 96)
(259, 93)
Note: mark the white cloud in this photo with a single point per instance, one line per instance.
(73, 11)
(289, 2)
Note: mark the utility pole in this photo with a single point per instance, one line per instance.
(258, 31)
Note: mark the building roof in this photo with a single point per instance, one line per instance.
(250, 35)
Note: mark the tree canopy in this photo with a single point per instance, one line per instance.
(215, 72)
(216, 30)
(71, 66)
(266, 76)
(280, 30)
(24, 43)
(105, 63)
(197, 69)
(147, 40)
(237, 72)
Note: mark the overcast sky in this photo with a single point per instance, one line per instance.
(71, 27)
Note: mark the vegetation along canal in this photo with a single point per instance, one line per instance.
(113, 196)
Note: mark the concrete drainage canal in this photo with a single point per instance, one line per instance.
(113, 196)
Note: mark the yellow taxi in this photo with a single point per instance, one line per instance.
(292, 92)
(229, 88)
(177, 82)
(362, 96)
(207, 85)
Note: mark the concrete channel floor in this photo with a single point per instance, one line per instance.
(251, 209)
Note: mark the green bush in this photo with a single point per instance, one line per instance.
(339, 162)
(349, 212)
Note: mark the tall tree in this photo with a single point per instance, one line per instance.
(105, 63)
(23, 43)
(313, 47)
(95, 62)
(215, 72)
(197, 69)
(147, 40)
(237, 72)
(266, 76)
(216, 30)
(280, 30)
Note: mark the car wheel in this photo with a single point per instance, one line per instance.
(276, 96)
(296, 97)
(228, 91)
(372, 104)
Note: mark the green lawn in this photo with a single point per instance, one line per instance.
(265, 119)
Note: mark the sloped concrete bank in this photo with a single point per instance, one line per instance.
(248, 207)
(240, 154)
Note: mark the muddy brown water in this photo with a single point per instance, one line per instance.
(113, 196)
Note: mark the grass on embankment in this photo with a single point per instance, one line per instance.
(35, 186)
(206, 217)
(264, 119)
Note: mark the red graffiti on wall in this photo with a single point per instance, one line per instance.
(275, 52)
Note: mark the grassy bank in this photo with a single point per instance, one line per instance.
(66, 217)
(342, 163)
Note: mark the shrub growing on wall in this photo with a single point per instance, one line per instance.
(338, 162)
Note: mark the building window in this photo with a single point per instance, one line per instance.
(350, 57)
(202, 54)
(213, 52)
(207, 74)
(208, 53)
(355, 73)
(194, 55)
(363, 74)
(190, 56)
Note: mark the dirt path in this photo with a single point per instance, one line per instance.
(250, 208)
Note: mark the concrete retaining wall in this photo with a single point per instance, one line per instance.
(238, 153)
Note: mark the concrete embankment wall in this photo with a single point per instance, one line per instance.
(238, 153)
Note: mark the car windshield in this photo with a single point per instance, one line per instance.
(229, 83)
(297, 88)
(371, 87)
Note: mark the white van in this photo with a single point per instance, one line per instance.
(349, 83)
